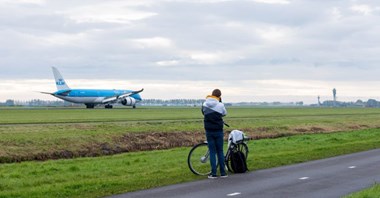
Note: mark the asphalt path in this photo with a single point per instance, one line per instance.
(332, 177)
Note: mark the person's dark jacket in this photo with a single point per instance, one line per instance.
(213, 112)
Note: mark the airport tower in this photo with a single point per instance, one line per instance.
(334, 94)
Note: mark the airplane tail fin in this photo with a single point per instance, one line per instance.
(59, 81)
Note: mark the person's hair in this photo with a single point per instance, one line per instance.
(217, 93)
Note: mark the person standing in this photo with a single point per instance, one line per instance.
(213, 110)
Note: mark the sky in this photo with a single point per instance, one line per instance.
(253, 50)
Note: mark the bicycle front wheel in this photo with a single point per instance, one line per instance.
(199, 159)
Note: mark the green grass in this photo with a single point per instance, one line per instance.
(101, 176)
(26, 134)
(67, 115)
(373, 192)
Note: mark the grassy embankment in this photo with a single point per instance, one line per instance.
(373, 192)
(27, 132)
(96, 177)
(68, 133)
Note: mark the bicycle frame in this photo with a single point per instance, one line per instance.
(196, 164)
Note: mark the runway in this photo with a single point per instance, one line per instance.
(332, 177)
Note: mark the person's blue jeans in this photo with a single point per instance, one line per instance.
(215, 145)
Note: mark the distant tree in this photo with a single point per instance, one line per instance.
(9, 102)
(372, 103)
(359, 102)
(172, 102)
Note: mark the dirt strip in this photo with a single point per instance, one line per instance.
(133, 142)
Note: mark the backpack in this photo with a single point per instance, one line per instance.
(238, 162)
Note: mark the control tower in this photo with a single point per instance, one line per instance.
(334, 94)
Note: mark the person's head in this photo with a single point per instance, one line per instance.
(216, 93)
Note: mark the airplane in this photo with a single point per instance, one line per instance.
(93, 97)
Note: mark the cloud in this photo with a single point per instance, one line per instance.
(185, 41)
(167, 63)
(117, 12)
(273, 1)
(212, 58)
(362, 9)
(155, 42)
(37, 2)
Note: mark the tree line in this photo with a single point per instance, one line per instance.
(145, 102)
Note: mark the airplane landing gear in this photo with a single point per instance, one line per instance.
(90, 106)
(134, 106)
(108, 106)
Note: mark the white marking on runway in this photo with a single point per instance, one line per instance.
(352, 167)
(233, 194)
(303, 178)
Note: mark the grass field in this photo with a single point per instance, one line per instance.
(41, 134)
(101, 176)
(373, 192)
(53, 115)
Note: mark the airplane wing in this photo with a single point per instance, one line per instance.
(46, 93)
(119, 97)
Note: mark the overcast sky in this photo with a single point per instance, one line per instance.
(253, 50)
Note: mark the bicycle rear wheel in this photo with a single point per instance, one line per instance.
(198, 159)
(237, 147)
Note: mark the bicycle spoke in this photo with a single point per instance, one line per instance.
(198, 160)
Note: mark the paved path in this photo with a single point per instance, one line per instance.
(332, 177)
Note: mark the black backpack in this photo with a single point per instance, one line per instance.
(238, 162)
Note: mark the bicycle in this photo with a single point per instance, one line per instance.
(198, 158)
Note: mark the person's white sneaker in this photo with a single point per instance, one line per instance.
(224, 176)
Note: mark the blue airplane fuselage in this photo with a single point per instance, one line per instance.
(94, 96)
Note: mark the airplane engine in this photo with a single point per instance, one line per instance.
(128, 101)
